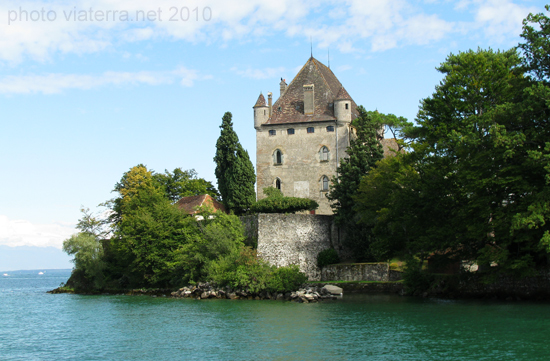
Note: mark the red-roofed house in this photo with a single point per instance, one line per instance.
(191, 204)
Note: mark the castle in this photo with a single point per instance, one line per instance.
(301, 137)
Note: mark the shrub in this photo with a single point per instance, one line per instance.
(326, 257)
(243, 269)
(414, 279)
(277, 203)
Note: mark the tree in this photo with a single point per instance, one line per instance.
(87, 249)
(399, 127)
(362, 154)
(472, 172)
(184, 183)
(234, 170)
(532, 223)
(148, 230)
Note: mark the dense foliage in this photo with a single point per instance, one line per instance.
(475, 183)
(146, 241)
(326, 257)
(277, 203)
(234, 170)
(362, 154)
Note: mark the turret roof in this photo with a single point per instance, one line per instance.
(342, 95)
(289, 108)
(260, 102)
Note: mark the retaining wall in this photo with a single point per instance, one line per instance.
(356, 272)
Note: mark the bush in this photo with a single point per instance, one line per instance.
(277, 203)
(244, 270)
(326, 257)
(414, 279)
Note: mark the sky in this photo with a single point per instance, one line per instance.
(91, 88)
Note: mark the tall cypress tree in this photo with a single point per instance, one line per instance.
(234, 170)
(363, 152)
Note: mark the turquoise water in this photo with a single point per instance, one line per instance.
(39, 326)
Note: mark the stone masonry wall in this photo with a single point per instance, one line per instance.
(286, 239)
(356, 272)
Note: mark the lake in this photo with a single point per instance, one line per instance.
(35, 325)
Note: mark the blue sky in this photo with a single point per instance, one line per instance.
(86, 97)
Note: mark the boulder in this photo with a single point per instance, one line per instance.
(333, 290)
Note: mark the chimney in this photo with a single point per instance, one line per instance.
(309, 96)
(270, 102)
(283, 86)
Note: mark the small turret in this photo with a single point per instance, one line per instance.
(342, 106)
(261, 111)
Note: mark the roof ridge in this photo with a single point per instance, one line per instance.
(323, 75)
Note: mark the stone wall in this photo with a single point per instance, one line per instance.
(286, 239)
(356, 272)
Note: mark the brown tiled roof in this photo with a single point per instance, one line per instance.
(390, 147)
(260, 102)
(326, 88)
(190, 204)
(343, 95)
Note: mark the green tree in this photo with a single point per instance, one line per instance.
(398, 127)
(184, 183)
(87, 249)
(148, 231)
(531, 224)
(362, 154)
(234, 170)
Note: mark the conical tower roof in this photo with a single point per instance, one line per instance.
(260, 102)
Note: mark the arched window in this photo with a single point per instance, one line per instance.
(278, 184)
(324, 154)
(324, 183)
(277, 157)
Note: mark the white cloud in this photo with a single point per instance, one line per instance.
(383, 24)
(56, 83)
(15, 233)
(502, 18)
(267, 73)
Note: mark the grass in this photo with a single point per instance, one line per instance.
(352, 282)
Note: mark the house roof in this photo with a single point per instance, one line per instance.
(260, 102)
(190, 204)
(343, 95)
(390, 147)
(289, 108)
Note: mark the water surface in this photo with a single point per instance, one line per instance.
(35, 325)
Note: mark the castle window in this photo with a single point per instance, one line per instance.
(347, 106)
(279, 108)
(324, 154)
(311, 130)
(272, 132)
(324, 183)
(278, 157)
(330, 128)
(290, 131)
(264, 112)
(278, 184)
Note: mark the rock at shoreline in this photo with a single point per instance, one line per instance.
(333, 290)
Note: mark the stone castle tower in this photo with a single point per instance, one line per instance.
(301, 137)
